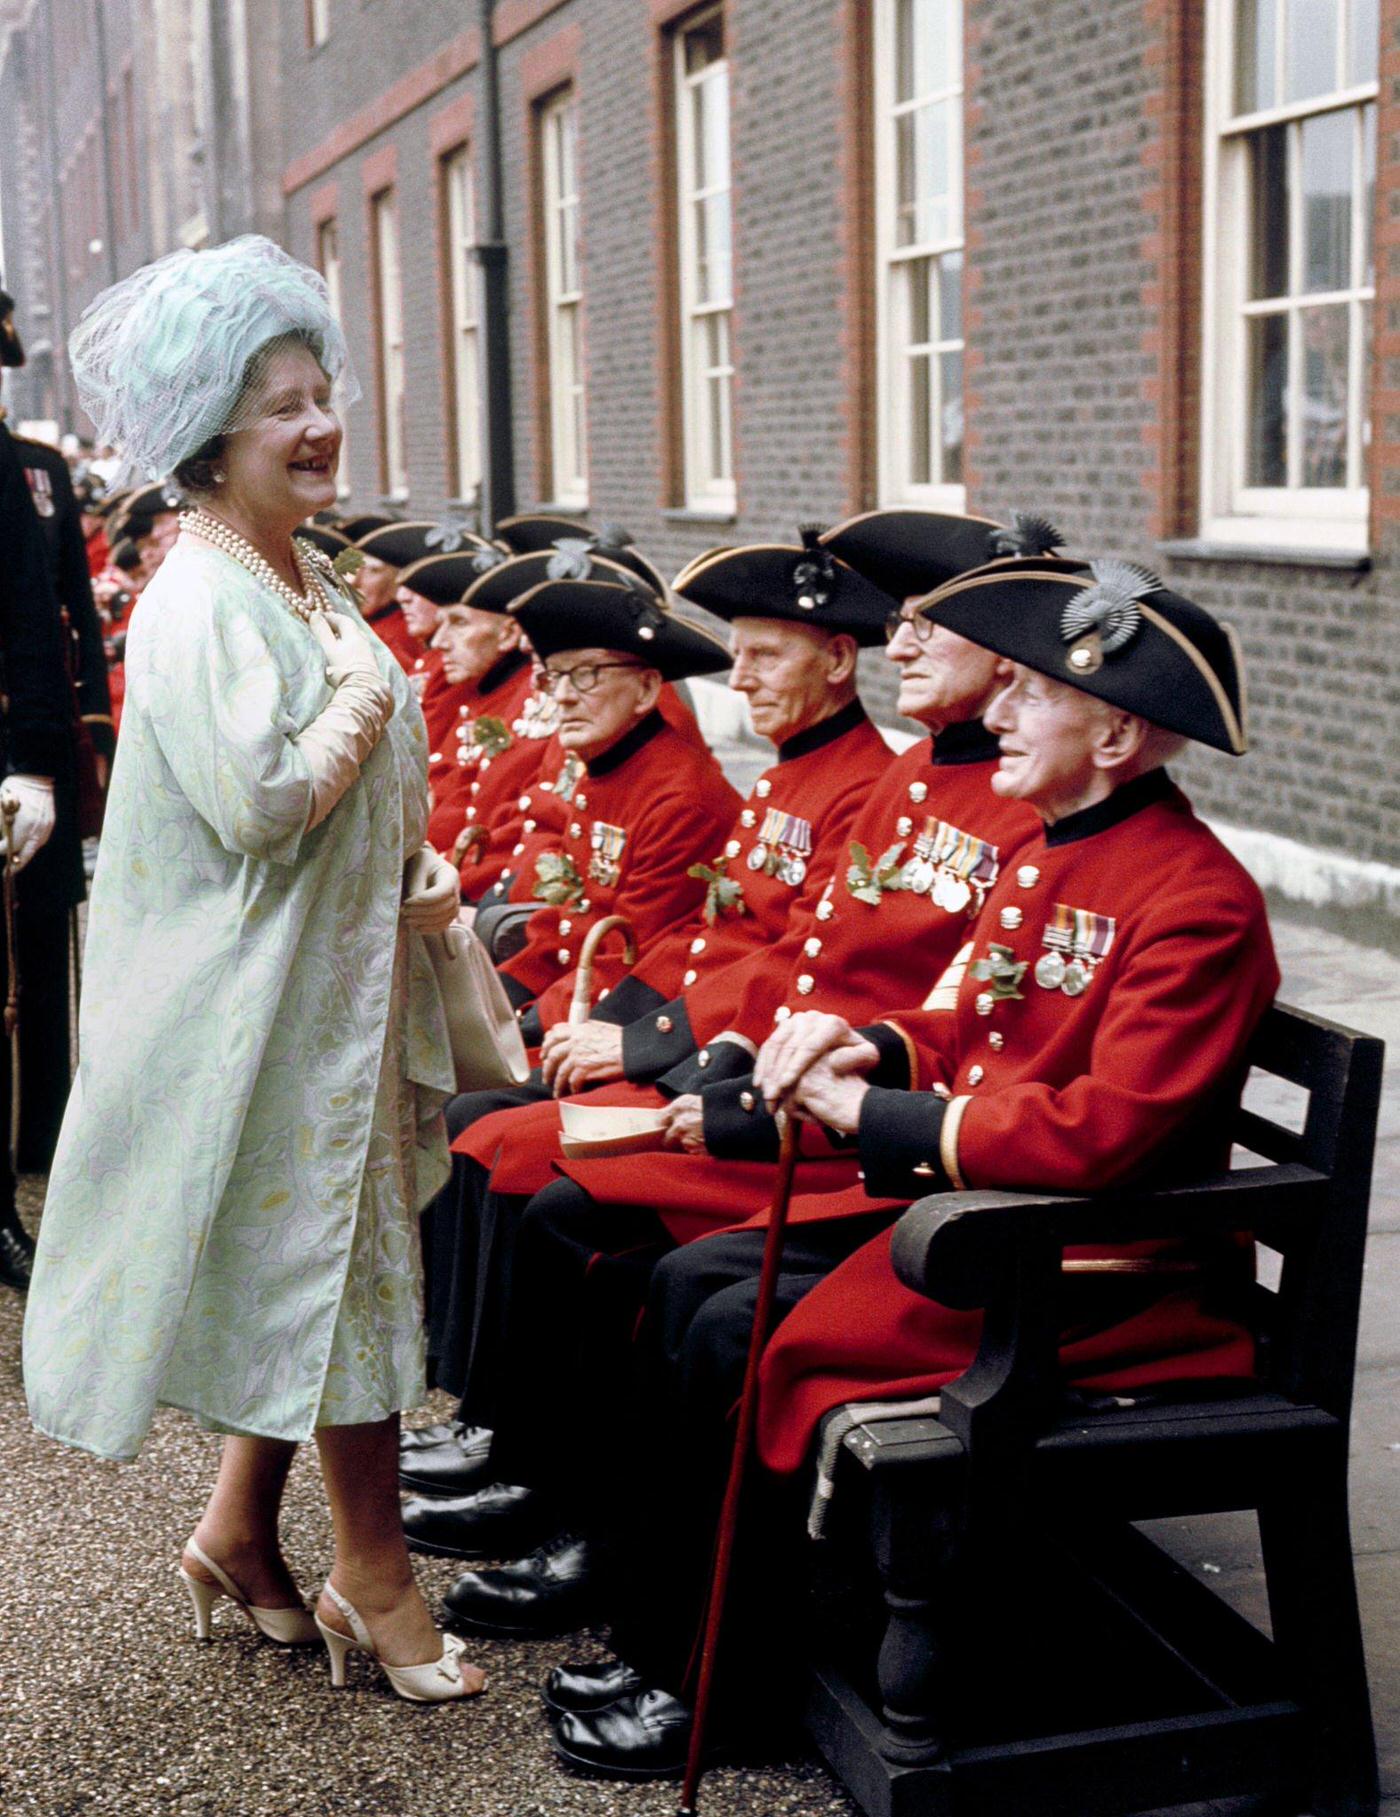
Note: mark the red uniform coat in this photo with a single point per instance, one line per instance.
(392, 627)
(487, 712)
(808, 798)
(639, 816)
(843, 953)
(1022, 1084)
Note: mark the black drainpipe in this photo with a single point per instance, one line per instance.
(492, 255)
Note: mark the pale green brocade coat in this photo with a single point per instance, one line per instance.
(256, 1120)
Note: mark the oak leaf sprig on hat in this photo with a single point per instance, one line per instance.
(448, 536)
(559, 883)
(484, 560)
(490, 735)
(721, 892)
(570, 560)
(868, 879)
(1110, 605)
(1003, 971)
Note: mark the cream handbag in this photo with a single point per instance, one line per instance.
(487, 1046)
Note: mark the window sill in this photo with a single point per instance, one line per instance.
(700, 514)
(1273, 555)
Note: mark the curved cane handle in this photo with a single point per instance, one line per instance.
(581, 1004)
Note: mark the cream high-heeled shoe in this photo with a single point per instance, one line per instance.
(288, 1627)
(436, 1681)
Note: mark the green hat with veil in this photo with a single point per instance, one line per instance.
(165, 360)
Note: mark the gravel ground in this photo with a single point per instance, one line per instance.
(109, 1705)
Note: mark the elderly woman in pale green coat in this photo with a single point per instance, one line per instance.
(231, 1222)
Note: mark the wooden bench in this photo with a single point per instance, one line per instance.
(1035, 1653)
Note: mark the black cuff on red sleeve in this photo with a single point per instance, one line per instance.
(628, 1000)
(656, 1042)
(714, 1064)
(893, 1068)
(737, 1124)
(531, 1028)
(898, 1138)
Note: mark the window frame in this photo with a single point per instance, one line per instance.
(1231, 511)
(892, 413)
(565, 355)
(703, 490)
(389, 345)
(461, 295)
(330, 264)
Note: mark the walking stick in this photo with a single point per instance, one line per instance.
(9, 807)
(581, 1003)
(743, 1438)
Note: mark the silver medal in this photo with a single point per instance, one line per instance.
(921, 875)
(1076, 979)
(793, 870)
(758, 857)
(1049, 971)
(956, 895)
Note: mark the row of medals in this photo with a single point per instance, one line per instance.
(790, 867)
(1055, 972)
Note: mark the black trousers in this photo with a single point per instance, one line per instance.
(468, 1244)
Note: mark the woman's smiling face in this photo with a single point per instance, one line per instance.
(280, 468)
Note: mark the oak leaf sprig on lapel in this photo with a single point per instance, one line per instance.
(721, 892)
(1003, 971)
(559, 883)
(868, 879)
(490, 735)
(348, 563)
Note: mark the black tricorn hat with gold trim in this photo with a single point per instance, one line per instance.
(445, 577)
(364, 523)
(497, 583)
(321, 536)
(910, 552)
(1115, 632)
(399, 544)
(599, 614)
(800, 583)
(572, 543)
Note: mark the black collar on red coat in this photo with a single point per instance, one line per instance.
(627, 746)
(501, 671)
(835, 725)
(968, 741)
(1121, 805)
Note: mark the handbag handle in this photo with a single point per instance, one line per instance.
(581, 1004)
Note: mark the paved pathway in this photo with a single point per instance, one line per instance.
(108, 1706)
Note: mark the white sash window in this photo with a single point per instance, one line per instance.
(463, 375)
(568, 428)
(328, 264)
(388, 297)
(706, 263)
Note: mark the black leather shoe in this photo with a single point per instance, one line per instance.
(415, 1438)
(16, 1255)
(504, 1520)
(550, 1592)
(645, 1736)
(458, 1466)
(588, 1688)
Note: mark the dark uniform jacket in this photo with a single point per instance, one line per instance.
(38, 704)
(1094, 1033)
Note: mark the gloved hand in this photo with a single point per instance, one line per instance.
(349, 649)
(342, 736)
(33, 823)
(431, 892)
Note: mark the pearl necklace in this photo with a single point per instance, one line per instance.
(224, 537)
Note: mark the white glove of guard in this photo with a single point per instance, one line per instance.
(431, 892)
(34, 814)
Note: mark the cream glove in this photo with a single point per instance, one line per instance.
(342, 736)
(33, 822)
(430, 892)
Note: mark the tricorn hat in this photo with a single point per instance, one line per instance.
(363, 523)
(909, 552)
(532, 530)
(1115, 632)
(321, 536)
(605, 614)
(497, 584)
(11, 346)
(397, 544)
(445, 578)
(803, 583)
